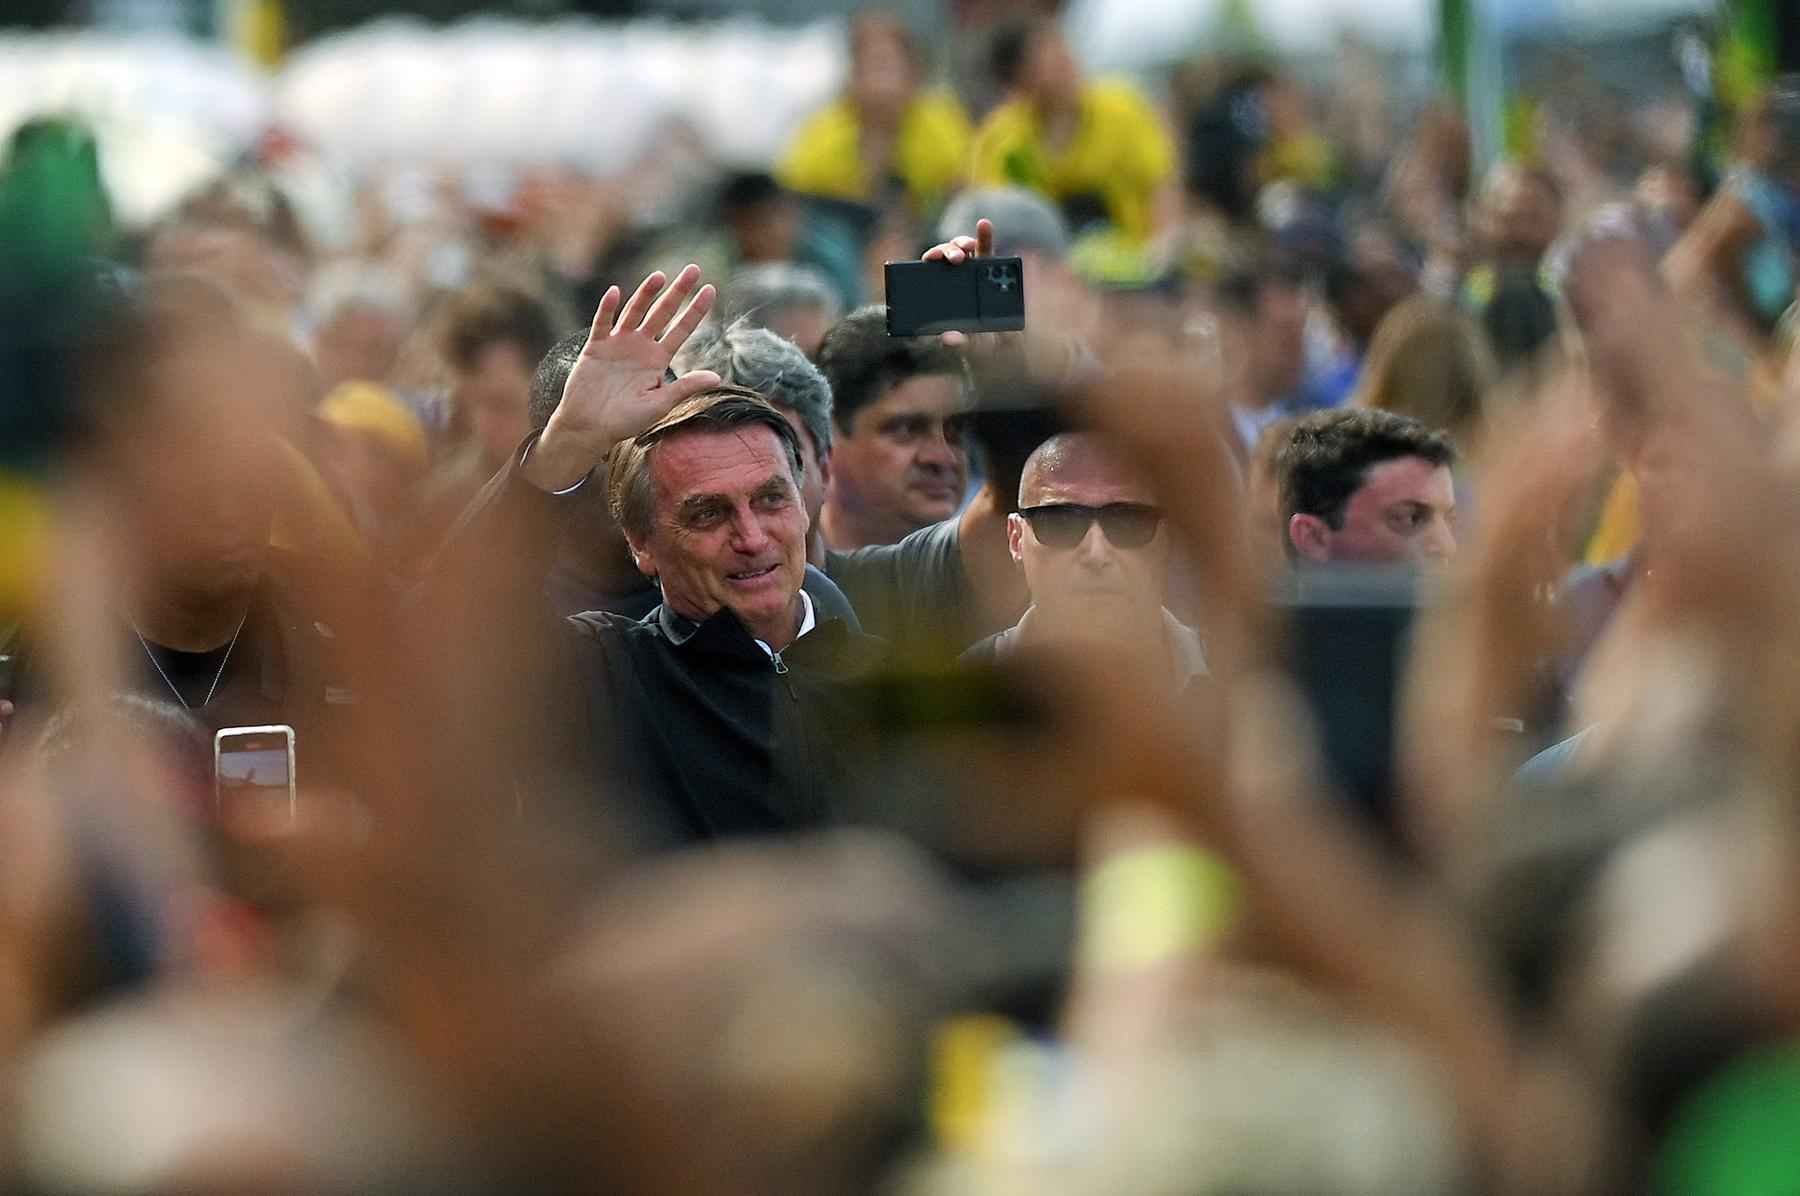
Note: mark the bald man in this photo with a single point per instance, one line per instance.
(1091, 540)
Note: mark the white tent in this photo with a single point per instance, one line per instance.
(1130, 35)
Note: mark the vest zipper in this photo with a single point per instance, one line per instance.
(781, 670)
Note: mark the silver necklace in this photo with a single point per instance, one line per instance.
(214, 688)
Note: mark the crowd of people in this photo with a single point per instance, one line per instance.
(1308, 714)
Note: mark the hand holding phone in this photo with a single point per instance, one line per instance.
(981, 295)
(957, 287)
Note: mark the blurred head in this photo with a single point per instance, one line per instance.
(1430, 363)
(242, 233)
(792, 301)
(1269, 304)
(1518, 215)
(899, 459)
(763, 218)
(359, 319)
(191, 402)
(1367, 487)
(758, 360)
(1365, 285)
(493, 337)
(709, 499)
(1033, 62)
(1089, 535)
(1520, 320)
(1025, 223)
(375, 450)
(884, 67)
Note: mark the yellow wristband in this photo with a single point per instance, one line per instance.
(1145, 906)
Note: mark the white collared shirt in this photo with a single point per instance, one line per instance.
(808, 621)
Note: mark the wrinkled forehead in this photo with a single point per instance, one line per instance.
(727, 461)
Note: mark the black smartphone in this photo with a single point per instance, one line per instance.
(985, 294)
(255, 763)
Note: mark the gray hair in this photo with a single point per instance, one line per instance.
(759, 360)
(759, 293)
(1024, 221)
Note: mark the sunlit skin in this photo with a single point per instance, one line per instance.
(728, 530)
(1404, 513)
(1096, 586)
(900, 466)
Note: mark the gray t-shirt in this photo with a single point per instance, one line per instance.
(914, 594)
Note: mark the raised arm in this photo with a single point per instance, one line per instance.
(618, 386)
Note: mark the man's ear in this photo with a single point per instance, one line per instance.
(825, 470)
(641, 555)
(1015, 537)
(1311, 538)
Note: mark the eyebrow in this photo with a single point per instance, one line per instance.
(696, 504)
(1415, 504)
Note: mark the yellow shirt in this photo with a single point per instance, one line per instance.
(825, 156)
(1120, 152)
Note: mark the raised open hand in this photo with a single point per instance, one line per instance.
(618, 386)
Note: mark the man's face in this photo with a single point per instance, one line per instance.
(818, 472)
(1094, 581)
(1404, 513)
(496, 392)
(728, 530)
(903, 457)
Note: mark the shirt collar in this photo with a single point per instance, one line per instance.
(807, 622)
(678, 629)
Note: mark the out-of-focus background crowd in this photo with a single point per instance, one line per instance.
(1336, 706)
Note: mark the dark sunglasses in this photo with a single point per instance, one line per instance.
(1064, 525)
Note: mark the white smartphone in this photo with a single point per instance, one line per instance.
(254, 763)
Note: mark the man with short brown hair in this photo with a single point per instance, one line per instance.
(1367, 487)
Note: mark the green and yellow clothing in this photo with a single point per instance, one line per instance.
(1120, 152)
(930, 153)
